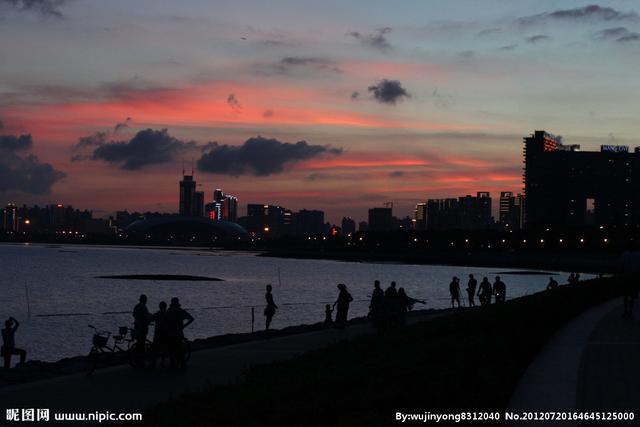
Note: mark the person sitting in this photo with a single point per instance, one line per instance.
(9, 343)
(552, 284)
(328, 315)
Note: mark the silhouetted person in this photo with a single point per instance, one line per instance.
(577, 278)
(376, 306)
(141, 319)
(454, 290)
(484, 293)
(270, 309)
(391, 305)
(177, 320)
(572, 278)
(499, 290)
(472, 284)
(328, 315)
(342, 303)
(9, 343)
(552, 284)
(630, 294)
(160, 334)
(406, 303)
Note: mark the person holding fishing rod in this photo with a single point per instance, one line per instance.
(270, 309)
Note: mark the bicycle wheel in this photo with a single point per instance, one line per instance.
(97, 358)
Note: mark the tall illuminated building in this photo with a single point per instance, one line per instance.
(564, 186)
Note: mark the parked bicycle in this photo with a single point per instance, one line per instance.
(123, 349)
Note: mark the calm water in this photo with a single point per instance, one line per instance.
(61, 280)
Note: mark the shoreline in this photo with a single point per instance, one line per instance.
(35, 370)
(594, 263)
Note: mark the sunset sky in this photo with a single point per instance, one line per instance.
(395, 101)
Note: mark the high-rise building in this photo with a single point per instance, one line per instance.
(267, 219)
(463, 213)
(348, 226)
(420, 216)
(380, 219)
(510, 210)
(187, 196)
(224, 207)
(198, 204)
(10, 222)
(566, 186)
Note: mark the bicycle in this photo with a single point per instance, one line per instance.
(123, 350)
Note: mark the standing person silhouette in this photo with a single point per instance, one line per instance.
(342, 303)
(454, 290)
(9, 343)
(472, 284)
(160, 338)
(376, 306)
(391, 305)
(500, 290)
(141, 319)
(484, 293)
(270, 309)
(177, 320)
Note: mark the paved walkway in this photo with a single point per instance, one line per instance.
(591, 364)
(121, 389)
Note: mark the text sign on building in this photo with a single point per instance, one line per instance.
(614, 148)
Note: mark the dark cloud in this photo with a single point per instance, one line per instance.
(147, 147)
(467, 54)
(300, 60)
(355, 95)
(268, 114)
(589, 13)
(122, 125)
(489, 32)
(42, 7)
(388, 91)
(619, 34)
(291, 64)
(537, 38)
(234, 103)
(396, 174)
(376, 39)
(23, 172)
(15, 142)
(317, 63)
(509, 47)
(258, 156)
